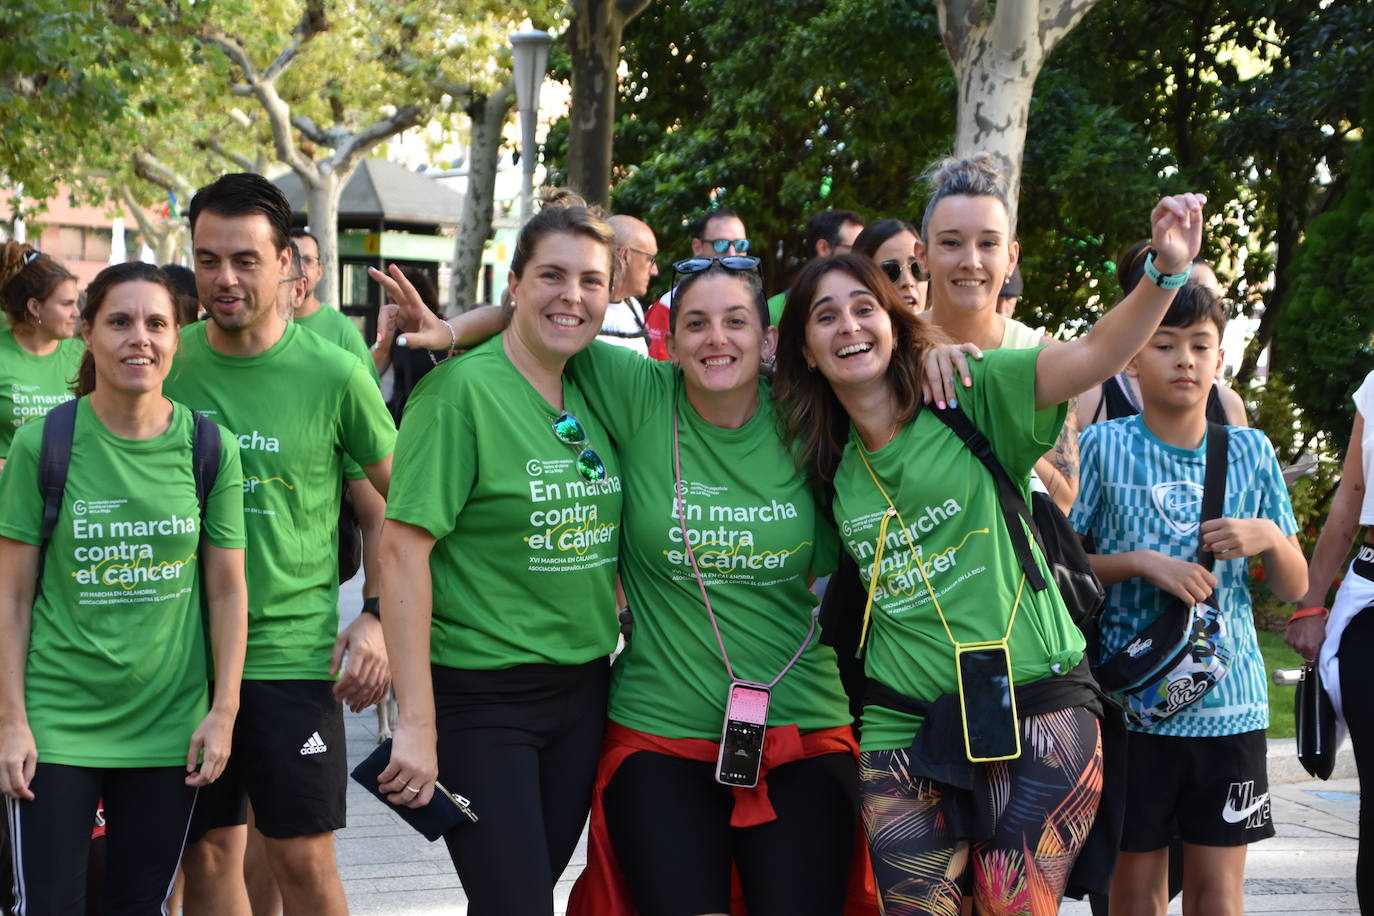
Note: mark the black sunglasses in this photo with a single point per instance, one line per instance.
(735, 263)
(893, 268)
(720, 246)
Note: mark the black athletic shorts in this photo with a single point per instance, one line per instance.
(1206, 791)
(288, 758)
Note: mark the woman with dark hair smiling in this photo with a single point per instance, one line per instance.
(103, 661)
(947, 593)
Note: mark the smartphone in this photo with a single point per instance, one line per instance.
(988, 704)
(741, 741)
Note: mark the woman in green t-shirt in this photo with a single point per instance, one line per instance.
(939, 804)
(38, 352)
(498, 581)
(103, 655)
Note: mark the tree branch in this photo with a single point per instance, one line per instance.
(353, 147)
(151, 232)
(243, 162)
(312, 131)
(959, 20)
(154, 171)
(284, 60)
(278, 112)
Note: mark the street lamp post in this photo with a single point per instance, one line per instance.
(531, 49)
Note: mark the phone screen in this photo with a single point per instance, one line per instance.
(985, 692)
(741, 740)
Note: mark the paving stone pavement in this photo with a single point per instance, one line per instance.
(1308, 868)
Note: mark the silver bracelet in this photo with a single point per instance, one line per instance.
(452, 344)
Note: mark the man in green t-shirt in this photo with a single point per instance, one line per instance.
(297, 405)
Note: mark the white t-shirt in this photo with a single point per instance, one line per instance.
(1364, 403)
(624, 326)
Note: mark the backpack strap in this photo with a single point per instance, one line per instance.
(1213, 486)
(205, 448)
(54, 457)
(1117, 672)
(1008, 495)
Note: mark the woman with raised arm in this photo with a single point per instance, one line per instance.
(39, 352)
(103, 661)
(957, 782)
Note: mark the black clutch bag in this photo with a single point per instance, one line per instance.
(445, 810)
(1316, 725)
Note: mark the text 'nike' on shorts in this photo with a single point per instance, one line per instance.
(1207, 791)
(289, 760)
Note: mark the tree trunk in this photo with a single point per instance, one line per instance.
(322, 192)
(488, 115)
(997, 57)
(593, 35)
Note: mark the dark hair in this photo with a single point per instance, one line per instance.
(99, 289)
(297, 265)
(698, 226)
(873, 237)
(26, 273)
(243, 194)
(1130, 265)
(183, 280)
(812, 421)
(424, 286)
(750, 278)
(563, 211)
(973, 176)
(1194, 304)
(826, 226)
(299, 233)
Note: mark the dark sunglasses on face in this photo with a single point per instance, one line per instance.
(893, 268)
(720, 246)
(570, 432)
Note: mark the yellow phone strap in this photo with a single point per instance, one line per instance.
(877, 560)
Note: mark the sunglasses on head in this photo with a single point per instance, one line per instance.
(736, 263)
(31, 255)
(720, 246)
(893, 268)
(570, 432)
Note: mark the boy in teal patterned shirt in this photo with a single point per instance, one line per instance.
(1200, 774)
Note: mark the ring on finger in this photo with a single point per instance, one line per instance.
(410, 788)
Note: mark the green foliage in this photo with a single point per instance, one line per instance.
(1327, 322)
(70, 74)
(752, 105)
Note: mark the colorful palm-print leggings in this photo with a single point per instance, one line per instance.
(1044, 803)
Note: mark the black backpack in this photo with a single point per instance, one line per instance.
(55, 455)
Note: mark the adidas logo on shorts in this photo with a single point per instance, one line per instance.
(313, 745)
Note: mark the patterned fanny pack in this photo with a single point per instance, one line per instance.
(1169, 665)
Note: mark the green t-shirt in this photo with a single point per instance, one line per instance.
(337, 328)
(524, 565)
(947, 499)
(757, 535)
(297, 409)
(31, 385)
(116, 672)
(776, 303)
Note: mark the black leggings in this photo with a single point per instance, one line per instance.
(1356, 656)
(522, 743)
(147, 813)
(669, 823)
